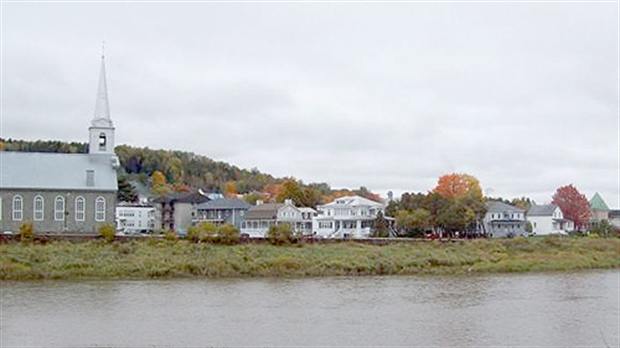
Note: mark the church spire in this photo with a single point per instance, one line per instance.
(101, 130)
(102, 108)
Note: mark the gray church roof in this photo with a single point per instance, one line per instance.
(56, 171)
(542, 210)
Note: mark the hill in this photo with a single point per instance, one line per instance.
(163, 171)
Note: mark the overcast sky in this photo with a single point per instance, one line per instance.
(390, 96)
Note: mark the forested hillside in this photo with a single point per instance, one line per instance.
(163, 171)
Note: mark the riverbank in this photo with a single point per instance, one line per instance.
(152, 258)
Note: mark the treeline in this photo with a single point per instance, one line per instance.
(165, 171)
(184, 170)
(42, 146)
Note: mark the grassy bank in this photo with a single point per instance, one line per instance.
(163, 258)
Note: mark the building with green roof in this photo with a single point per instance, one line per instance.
(598, 208)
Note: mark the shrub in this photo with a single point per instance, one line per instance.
(203, 232)
(26, 230)
(603, 229)
(107, 231)
(228, 234)
(170, 235)
(281, 234)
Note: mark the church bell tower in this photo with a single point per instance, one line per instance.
(101, 130)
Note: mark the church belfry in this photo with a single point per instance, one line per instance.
(101, 130)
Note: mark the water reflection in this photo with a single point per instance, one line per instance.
(575, 309)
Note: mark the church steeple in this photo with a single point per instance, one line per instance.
(101, 127)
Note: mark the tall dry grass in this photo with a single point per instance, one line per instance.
(152, 258)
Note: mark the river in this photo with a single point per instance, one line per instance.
(542, 310)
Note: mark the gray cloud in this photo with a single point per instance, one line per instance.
(389, 96)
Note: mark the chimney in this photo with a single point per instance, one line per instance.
(259, 202)
(90, 178)
(288, 201)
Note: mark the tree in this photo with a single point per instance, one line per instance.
(381, 226)
(458, 185)
(456, 218)
(312, 196)
(291, 189)
(528, 227)
(231, 189)
(126, 191)
(603, 228)
(159, 183)
(523, 203)
(414, 223)
(574, 205)
(281, 234)
(364, 192)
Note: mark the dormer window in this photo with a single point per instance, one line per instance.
(102, 142)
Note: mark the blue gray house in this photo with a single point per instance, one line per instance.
(504, 220)
(221, 211)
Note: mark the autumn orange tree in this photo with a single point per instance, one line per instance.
(457, 185)
(159, 183)
(466, 204)
(574, 205)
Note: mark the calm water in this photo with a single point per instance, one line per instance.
(575, 309)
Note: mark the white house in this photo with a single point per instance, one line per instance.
(504, 220)
(548, 219)
(134, 218)
(300, 218)
(259, 218)
(346, 217)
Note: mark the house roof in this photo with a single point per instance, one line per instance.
(597, 203)
(263, 211)
(542, 210)
(56, 171)
(352, 201)
(181, 197)
(224, 203)
(500, 207)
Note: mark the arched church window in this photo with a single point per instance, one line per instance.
(59, 208)
(17, 208)
(38, 208)
(80, 208)
(100, 209)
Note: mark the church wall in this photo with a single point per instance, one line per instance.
(49, 224)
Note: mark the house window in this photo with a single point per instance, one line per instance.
(100, 209)
(18, 208)
(59, 208)
(38, 208)
(80, 209)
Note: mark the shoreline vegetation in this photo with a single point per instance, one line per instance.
(159, 258)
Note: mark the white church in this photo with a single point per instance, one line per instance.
(63, 193)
